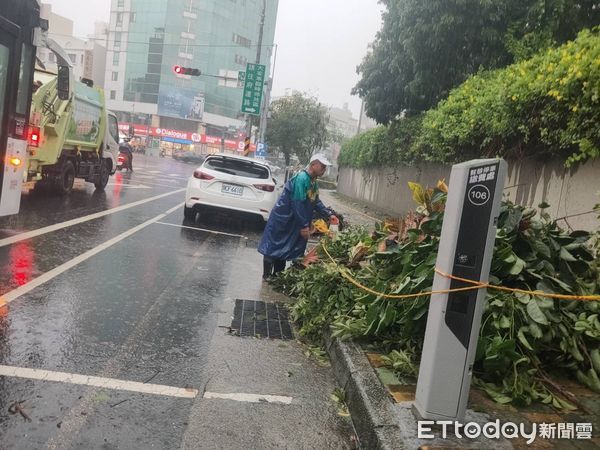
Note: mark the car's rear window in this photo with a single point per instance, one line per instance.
(237, 167)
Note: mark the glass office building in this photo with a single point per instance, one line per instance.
(148, 38)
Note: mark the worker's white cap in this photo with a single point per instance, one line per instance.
(321, 158)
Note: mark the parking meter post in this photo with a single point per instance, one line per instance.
(454, 319)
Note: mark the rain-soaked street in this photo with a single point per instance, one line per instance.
(123, 308)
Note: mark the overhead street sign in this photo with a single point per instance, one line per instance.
(253, 88)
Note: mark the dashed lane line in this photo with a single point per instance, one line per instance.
(59, 226)
(101, 382)
(36, 282)
(250, 398)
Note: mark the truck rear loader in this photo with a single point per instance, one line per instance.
(72, 134)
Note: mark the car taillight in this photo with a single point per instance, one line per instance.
(34, 136)
(265, 187)
(202, 176)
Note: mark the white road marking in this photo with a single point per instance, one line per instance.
(36, 282)
(251, 398)
(172, 183)
(167, 185)
(106, 383)
(69, 223)
(202, 229)
(154, 171)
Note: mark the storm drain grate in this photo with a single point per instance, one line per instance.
(259, 319)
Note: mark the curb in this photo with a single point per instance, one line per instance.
(379, 423)
(368, 402)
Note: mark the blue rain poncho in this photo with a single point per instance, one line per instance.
(292, 212)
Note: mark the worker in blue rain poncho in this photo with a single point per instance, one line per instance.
(288, 228)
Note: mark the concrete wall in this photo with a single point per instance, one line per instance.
(571, 193)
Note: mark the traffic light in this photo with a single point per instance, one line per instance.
(179, 70)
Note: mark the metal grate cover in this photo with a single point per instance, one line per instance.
(260, 319)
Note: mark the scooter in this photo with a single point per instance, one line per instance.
(123, 161)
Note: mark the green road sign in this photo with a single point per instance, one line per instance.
(241, 76)
(253, 88)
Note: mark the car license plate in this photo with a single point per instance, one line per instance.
(232, 189)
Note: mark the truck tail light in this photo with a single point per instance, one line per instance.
(34, 136)
(265, 187)
(202, 176)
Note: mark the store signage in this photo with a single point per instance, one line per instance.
(142, 130)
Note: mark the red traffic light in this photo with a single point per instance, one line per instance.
(179, 70)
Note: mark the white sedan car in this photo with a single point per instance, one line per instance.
(231, 182)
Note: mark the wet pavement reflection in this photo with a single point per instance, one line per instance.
(141, 310)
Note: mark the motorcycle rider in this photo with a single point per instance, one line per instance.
(125, 148)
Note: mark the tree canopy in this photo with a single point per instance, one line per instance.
(544, 106)
(427, 47)
(298, 126)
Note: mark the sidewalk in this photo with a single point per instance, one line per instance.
(294, 409)
(355, 213)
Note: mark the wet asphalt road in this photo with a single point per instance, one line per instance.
(145, 309)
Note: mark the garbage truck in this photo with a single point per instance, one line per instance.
(71, 133)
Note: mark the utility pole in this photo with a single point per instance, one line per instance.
(265, 111)
(362, 106)
(249, 118)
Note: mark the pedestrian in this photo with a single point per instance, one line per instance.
(288, 228)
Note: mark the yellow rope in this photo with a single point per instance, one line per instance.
(475, 285)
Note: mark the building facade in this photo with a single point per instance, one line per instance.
(147, 38)
(88, 56)
(343, 126)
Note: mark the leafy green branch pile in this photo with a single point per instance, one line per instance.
(546, 105)
(525, 340)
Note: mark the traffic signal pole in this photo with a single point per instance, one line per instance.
(258, 52)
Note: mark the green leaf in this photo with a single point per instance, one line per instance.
(512, 220)
(517, 267)
(535, 330)
(505, 322)
(564, 254)
(562, 284)
(540, 248)
(524, 340)
(580, 234)
(536, 313)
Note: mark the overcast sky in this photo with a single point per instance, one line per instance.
(320, 42)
